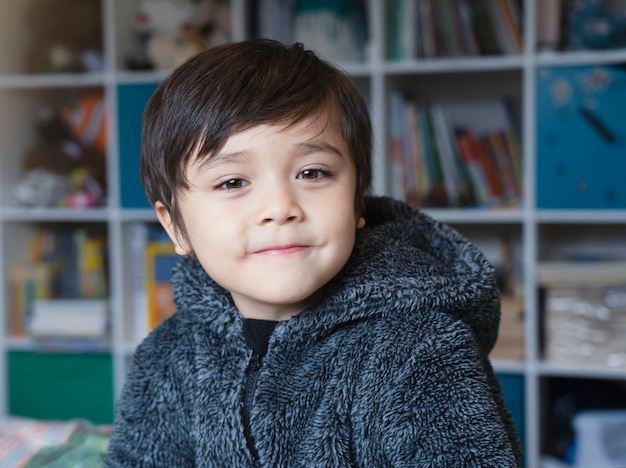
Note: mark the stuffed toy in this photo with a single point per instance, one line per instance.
(213, 21)
(167, 32)
(66, 36)
(88, 121)
(66, 166)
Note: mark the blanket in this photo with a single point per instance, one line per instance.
(30, 443)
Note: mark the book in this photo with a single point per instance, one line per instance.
(63, 263)
(78, 254)
(496, 181)
(454, 153)
(454, 176)
(160, 258)
(495, 146)
(405, 31)
(466, 28)
(27, 283)
(425, 178)
(437, 195)
(91, 254)
(496, 15)
(511, 147)
(426, 28)
(509, 21)
(416, 172)
(436, 20)
(451, 45)
(139, 234)
(483, 27)
(481, 185)
(495, 143)
(69, 318)
(417, 180)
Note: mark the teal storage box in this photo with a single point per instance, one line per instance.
(581, 137)
(131, 102)
(61, 386)
(513, 391)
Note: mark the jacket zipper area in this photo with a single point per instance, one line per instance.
(252, 376)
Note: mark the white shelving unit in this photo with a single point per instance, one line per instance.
(533, 230)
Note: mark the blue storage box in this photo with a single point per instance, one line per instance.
(131, 102)
(581, 137)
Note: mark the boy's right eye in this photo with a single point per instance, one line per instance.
(231, 184)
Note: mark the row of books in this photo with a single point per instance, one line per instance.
(454, 28)
(60, 293)
(63, 264)
(454, 154)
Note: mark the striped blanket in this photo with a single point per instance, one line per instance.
(29, 443)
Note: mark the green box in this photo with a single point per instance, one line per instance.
(61, 386)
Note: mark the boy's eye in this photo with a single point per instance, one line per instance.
(312, 174)
(232, 184)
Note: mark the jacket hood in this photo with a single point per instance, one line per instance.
(403, 261)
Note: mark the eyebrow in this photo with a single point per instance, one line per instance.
(221, 158)
(318, 147)
(303, 149)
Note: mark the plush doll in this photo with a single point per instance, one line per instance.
(213, 21)
(160, 27)
(167, 51)
(60, 169)
(167, 32)
(88, 121)
(66, 36)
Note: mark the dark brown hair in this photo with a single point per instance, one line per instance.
(233, 87)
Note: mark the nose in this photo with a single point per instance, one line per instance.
(279, 204)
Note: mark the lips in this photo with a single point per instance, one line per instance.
(281, 250)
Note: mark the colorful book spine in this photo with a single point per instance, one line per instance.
(160, 260)
(27, 283)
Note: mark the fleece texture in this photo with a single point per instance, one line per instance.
(390, 369)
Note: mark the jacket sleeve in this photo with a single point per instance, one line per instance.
(152, 426)
(426, 399)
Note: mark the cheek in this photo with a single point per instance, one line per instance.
(341, 227)
(206, 236)
(216, 251)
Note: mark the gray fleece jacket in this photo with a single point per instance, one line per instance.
(390, 369)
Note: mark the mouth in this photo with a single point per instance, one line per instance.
(282, 250)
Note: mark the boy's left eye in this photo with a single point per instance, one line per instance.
(312, 174)
(231, 184)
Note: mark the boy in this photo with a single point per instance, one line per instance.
(315, 326)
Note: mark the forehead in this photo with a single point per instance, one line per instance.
(320, 126)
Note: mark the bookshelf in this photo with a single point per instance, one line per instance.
(534, 232)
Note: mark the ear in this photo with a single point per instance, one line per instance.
(165, 219)
(360, 222)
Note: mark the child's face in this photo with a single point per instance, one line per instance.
(271, 218)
